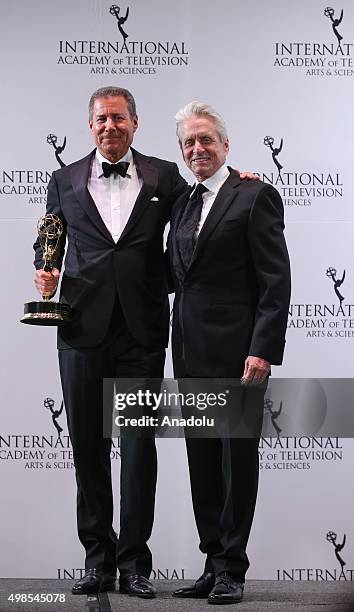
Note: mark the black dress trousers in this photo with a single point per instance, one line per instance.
(82, 372)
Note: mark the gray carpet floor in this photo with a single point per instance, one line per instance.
(260, 596)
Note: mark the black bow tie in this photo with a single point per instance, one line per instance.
(120, 168)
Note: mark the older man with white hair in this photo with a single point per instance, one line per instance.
(232, 288)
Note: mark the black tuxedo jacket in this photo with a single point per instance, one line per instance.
(97, 269)
(233, 299)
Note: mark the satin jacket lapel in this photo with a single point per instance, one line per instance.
(79, 178)
(220, 205)
(149, 176)
(180, 205)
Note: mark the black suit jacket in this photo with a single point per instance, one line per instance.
(233, 300)
(97, 269)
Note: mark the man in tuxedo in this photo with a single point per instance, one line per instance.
(114, 205)
(232, 288)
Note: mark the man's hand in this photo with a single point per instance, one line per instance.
(256, 370)
(47, 282)
(248, 175)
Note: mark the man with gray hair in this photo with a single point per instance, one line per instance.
(232, 289)
(114, 205)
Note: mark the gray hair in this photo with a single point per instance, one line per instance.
(108, 92)
(200, 109)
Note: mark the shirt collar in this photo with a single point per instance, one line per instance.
(213, 183)
(99, 158)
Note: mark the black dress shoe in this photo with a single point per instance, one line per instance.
(137, 585)
(200, 589)
(226, 590)
(94, 581)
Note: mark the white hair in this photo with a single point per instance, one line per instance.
(200, 109)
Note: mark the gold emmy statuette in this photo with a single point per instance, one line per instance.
(46, 312)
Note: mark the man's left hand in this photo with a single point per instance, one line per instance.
(256, 370)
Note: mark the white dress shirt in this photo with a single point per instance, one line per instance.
(115, 195)
(213, 184)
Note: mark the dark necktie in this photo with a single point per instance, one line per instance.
(188, 225)
(120, 168)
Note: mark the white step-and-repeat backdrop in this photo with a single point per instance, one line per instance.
(281, 73)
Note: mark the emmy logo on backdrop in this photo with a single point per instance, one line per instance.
(331, 273)
(49, 404)
(329, 12)
(115, 10)
(269, 142)
(274, 414)
(46, 312)
(332, 537)
(52, 140)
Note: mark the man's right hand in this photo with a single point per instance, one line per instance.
(47, 282)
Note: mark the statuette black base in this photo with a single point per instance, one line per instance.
(46, 313)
